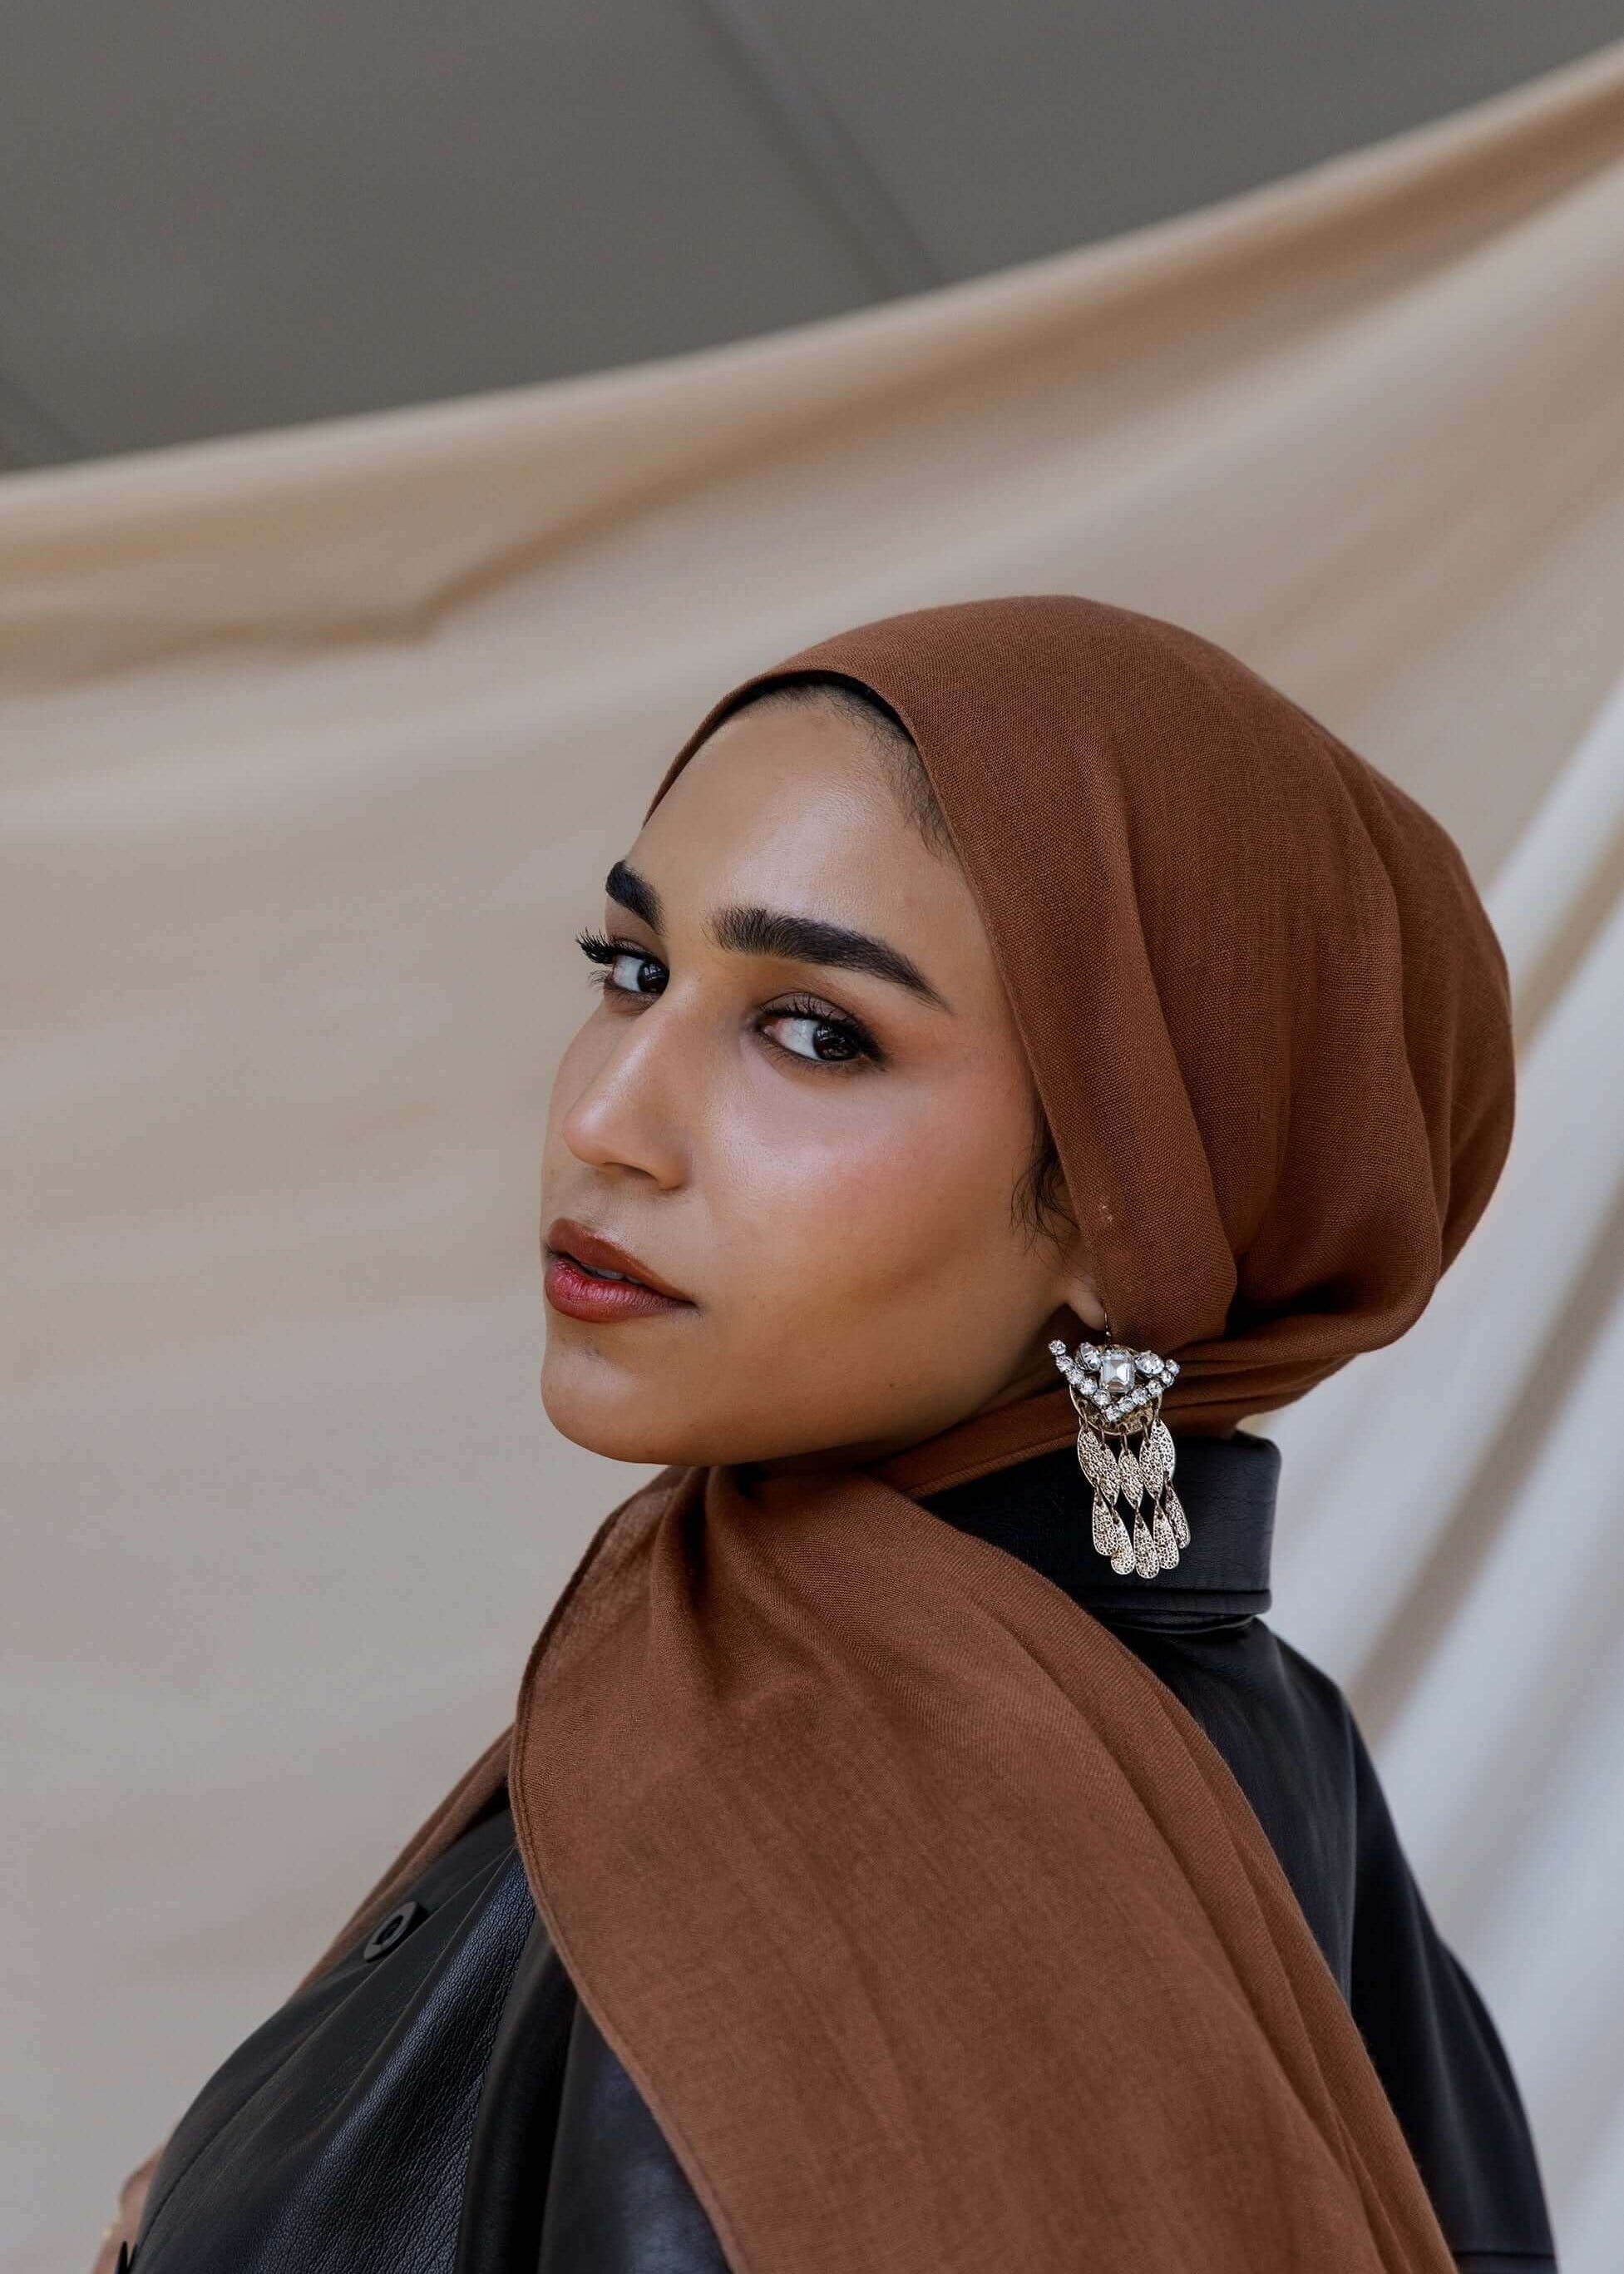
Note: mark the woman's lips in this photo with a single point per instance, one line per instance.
(573, 1283)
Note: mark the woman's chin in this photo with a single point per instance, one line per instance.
(626, 1420)
(613, 1418)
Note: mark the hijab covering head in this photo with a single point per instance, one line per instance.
(934, 1931)
(1263, 1005)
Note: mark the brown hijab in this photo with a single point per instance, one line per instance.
(1264, 1008)
(936, 1932)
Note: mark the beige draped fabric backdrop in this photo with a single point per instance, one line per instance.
(316, 747)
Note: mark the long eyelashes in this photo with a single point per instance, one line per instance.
(604, 950)
(609, 952)
(858, 1044)
(859, 1047)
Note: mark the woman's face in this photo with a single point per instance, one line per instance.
(801, 1103)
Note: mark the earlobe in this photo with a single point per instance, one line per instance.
(1082, 1296)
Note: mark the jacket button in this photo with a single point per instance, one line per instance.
(391, 1930)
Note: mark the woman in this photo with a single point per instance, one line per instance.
(913, 1849)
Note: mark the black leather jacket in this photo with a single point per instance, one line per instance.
(441, 2100)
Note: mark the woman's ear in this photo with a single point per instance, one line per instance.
(1077, 1289)
(1082, 1297)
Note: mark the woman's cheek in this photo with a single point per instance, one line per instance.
(871, 1208)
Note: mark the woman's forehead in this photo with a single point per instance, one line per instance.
(777, 823)
(786, 791)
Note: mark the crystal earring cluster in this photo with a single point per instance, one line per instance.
(1118, 1395)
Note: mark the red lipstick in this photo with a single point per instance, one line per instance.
(575, 1284)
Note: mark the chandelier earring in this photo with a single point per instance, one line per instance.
(1126, 1450)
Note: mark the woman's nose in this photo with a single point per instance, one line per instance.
(634, 1109)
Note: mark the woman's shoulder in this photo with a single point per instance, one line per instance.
(1293, 1741)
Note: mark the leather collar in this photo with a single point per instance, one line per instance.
(1038, 1509)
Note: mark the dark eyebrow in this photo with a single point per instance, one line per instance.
(775, 932)
(629, 891)
(810, 939)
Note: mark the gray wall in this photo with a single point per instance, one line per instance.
(218, 215)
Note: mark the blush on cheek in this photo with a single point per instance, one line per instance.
(899, 1212)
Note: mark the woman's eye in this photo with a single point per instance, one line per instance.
(632, 973)
(817, 1036)
(625, 971)
(804, 1028)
